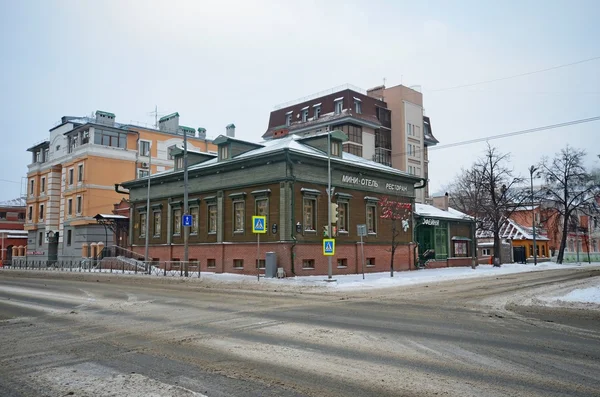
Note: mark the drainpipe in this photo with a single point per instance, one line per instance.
(293, 201)
(421, 186)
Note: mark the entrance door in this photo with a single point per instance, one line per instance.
(425, 238)
(519, 254)
(53, 249)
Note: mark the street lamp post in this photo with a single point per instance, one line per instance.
(532, 170)
(186, 229)
(329, 270)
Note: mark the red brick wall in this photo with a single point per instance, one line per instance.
(224, 255)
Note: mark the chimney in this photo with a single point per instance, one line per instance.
(201, 133)
(105, 118)
(230, 130)
(441, 202)
(169, 123)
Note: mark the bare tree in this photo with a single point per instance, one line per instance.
(398, 213)
(489, 192)
(570, 189)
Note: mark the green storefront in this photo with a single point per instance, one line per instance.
(444, 235)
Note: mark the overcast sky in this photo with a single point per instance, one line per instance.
(231, 61)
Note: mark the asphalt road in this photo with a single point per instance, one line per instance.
(95, 335)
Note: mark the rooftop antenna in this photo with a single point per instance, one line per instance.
(156, 115)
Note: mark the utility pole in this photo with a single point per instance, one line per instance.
(329, 270)
(146, 226)
(533, 169)
(186, 229)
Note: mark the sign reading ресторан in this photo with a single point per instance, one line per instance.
(354, 180)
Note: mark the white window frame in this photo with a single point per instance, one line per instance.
(70, 206)
(208, 218)
(142, 225)
(177, 223)
(357, 106)
(71, 176)
(80, 175)
(234, 216)
(145, 154)
(314, 218)
(338, 106)
(141, 171)
(305, 115)
(375, 224)
(78, 205)
(195, 220)
(485, 252)
(41, 212)
(288, 119)
(31, 187)
(43, 185)
(317, 112)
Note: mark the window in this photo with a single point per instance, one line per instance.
(238, 213)
(416, 131)
(371, 219)
(238, 263)
(85, 137)
(69, 236)
(40, 239)
(194, 212)
(79, 206)
(335, 149)
(308, 264)
(262, 207)
(409, 129)
(460, 248)
(411, 170)
(530, 250)
(70, 206)
(41, 212)
(342, 263)
(143, 173)
(370, 262)
(43, 185)
(80, 173)
(30, 213)
(142, 224)
(317, 112)
(46, 154)
(224, 152)
(537, 250)
(179, 162)
(177, 221)
(211, 263)
(2, 215)
(355, 134)
(310, 214)
(338, 106)
(157, 223)
(31, 187)
(260, 263)
(353, 149)
(212, 218)
(485, 252)
(304, 115)
(288, 119)
(21, 216)
(144, 148)
(418, 171)
(357, 106)
(342, 223)
(110, 138)
(70, 176)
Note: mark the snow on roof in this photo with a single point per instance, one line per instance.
(458, 213)
(512, 230)
(338, 99)
(112, 216)
(357, 99)
(430, 210)
(317, 104)
(17, 202)
(13, 231)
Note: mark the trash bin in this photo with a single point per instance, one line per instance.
(271, 265)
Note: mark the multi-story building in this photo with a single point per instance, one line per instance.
(12, 221)
(385, 125)
(73, 174)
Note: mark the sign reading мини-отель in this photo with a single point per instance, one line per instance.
(354, 180)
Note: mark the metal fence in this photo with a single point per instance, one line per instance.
(152, 268)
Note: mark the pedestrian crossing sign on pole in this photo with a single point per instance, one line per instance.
(259, 224)
(328, 246)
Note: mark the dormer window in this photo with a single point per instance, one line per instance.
(335, 149)
(304, 114)
(224, 152)
(317, 111)
(288, 118)
(179, 162)
(357, 106)
(338, 105)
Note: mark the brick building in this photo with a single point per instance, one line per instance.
(12, 222)
(284, 179)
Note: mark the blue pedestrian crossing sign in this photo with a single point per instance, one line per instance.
(328, 246)
(187, 220)
(259, 224)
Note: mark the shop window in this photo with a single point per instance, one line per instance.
(260, 263)
(371, 219)
(211, 263)
(238, 263)
(441, 242)
(177, 222)
(308, 263)
(370, 262)
(238, 216)
(212, 218)
(157, 223)
(194, 212)
(460, 249)
(342, 263)
(142, 224)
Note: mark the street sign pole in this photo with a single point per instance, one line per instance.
(186, 229)
(259, 226)
(258, 256)
(329, 270)
(362, 249)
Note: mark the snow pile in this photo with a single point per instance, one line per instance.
(585, 295)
